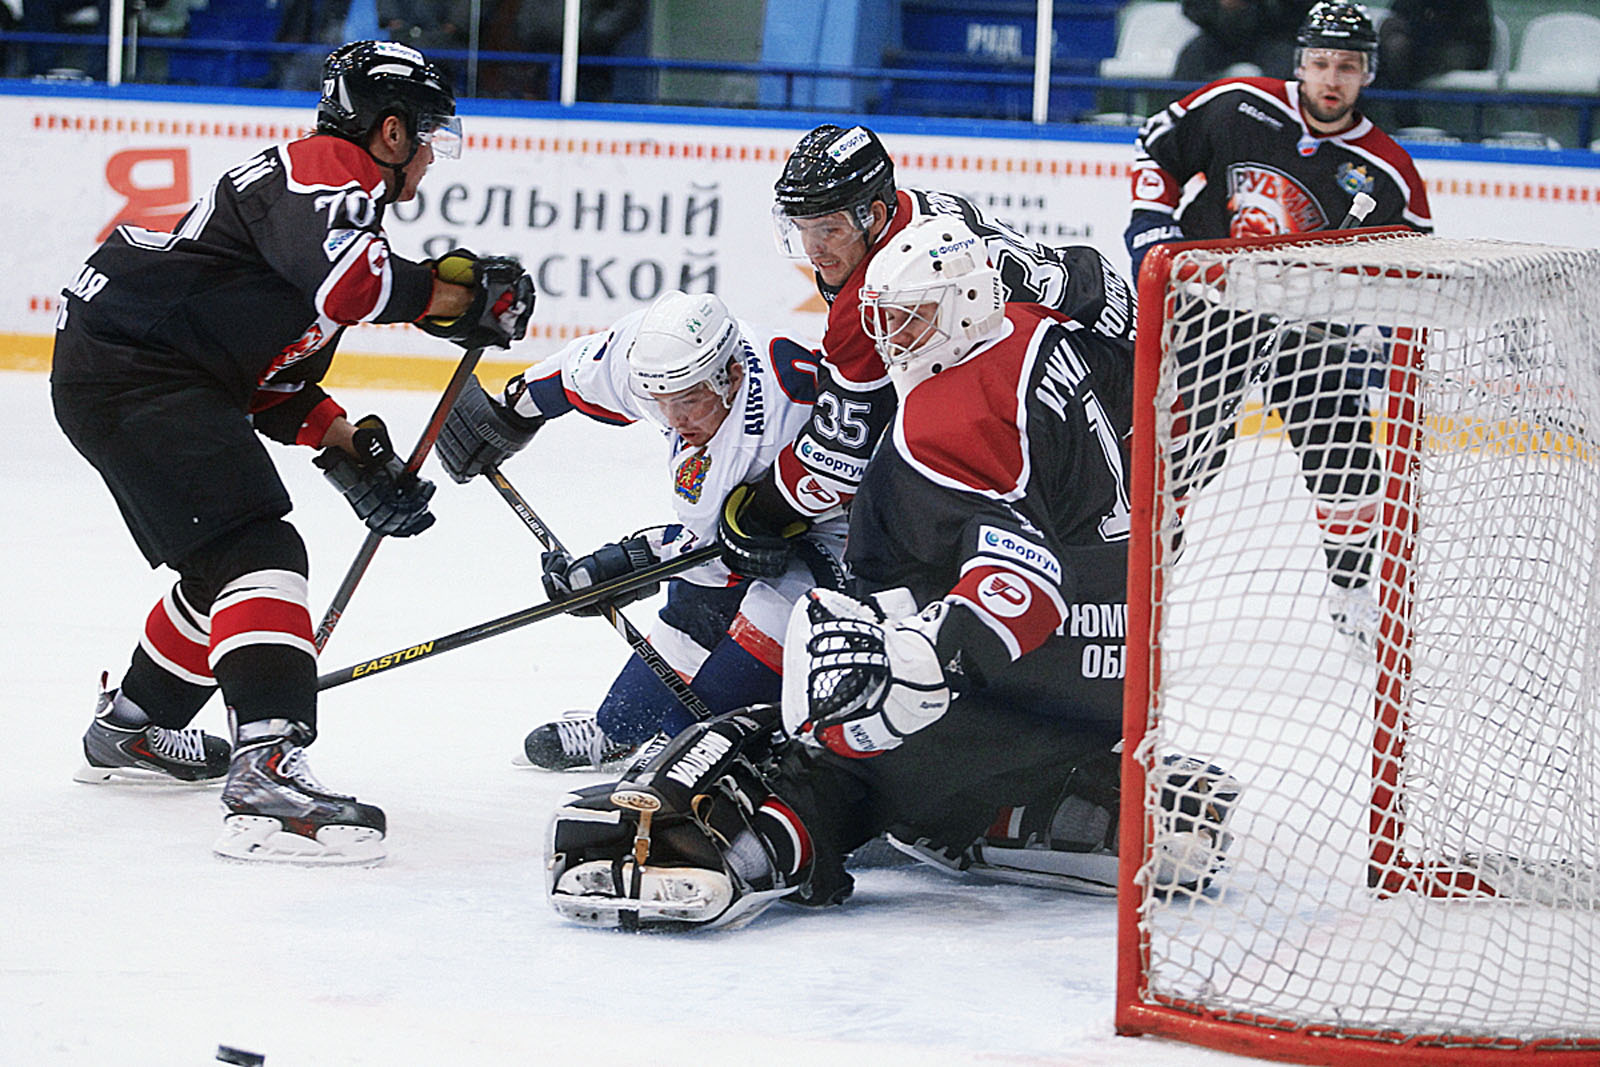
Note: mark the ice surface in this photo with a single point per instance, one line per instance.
(125, 942)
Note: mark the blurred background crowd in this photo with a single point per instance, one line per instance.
(1521, 73)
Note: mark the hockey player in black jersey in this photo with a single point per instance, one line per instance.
(174, 350)
(971, 706)
(836, 206)
(1280, 158)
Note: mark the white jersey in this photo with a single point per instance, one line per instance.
(773, 402)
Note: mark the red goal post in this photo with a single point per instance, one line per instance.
(1412, 865)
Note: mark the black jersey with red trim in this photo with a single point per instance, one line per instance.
(1266, 171)
(855, 400)
(251, 290)
(1003, 491)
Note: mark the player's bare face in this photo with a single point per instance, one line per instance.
(834, 244)
(413, 172)
(694, 414)
(1330, 82)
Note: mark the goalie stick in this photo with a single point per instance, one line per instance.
(637, 641)
(369, 547)
(485, 630)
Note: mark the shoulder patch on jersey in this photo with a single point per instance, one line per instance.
(1006, 545)
(1354, 179)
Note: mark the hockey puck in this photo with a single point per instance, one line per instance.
(228, 1054)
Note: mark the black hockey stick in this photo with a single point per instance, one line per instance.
(369, 547)
(642, 648)
(494, 627)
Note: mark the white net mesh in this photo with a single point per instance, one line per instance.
(1404, 424)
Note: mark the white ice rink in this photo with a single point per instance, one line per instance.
(125, 942)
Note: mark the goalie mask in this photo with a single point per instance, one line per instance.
(930, 300)
(684, 341)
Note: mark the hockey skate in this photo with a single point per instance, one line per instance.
(574, 742)
(118, 748)
(1356, 614)
(279, 813)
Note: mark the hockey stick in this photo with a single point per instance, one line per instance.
(485, 630)
(369, 547)
(641, 646)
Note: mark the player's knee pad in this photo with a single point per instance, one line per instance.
(264, 545)
(695, 839)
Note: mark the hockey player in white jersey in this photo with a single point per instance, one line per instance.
(729, 398)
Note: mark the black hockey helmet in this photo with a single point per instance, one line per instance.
(1339, 24)
(834, 169)
(364, 82)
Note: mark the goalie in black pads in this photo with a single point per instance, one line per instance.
(174, 350)
(971, 706)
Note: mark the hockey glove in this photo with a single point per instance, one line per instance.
(749, 549)
(855, 683)
(502, 301)
(1146, 229)
(565, 577)
(389, 499)
(480, 434)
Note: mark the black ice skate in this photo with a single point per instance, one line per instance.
(117, 748)
(279, 813)
(574, 742)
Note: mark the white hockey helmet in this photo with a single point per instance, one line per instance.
(684, 340)
(929, 299)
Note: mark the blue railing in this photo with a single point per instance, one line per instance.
(993, 90)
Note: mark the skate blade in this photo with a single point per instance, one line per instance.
(262, 839)
(610, 766)
(667, 896)
(142, 777)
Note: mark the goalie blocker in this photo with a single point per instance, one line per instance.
(731, 817)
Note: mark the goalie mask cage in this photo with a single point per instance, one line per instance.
(1412, 870)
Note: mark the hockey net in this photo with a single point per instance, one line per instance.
(1414, 866)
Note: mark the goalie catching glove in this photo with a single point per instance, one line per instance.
(502, 300)
(565, 577)
(855, 683)
(478, 435)
(391, 500)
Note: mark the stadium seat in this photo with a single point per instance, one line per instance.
(1560, 53)
(1148, 41)
(1490, 80)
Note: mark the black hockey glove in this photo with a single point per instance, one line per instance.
(388, 498)
(502, 301)
(855, 683)
(479, 434)
(750, 547)
(565, 577)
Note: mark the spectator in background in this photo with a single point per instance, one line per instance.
(429, 25)
(1260, 32)
(1422, 38)
(536, 26)
(325, 23)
